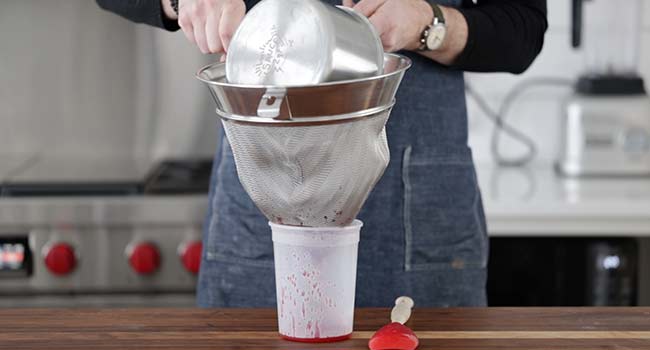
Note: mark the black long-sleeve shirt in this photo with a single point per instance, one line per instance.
(503, 35)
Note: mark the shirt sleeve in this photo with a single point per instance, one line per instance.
(140, 11)
(503, 35)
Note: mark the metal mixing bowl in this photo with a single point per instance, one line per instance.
(302, 42)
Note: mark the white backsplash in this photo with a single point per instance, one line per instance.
(80, 81)
(67, 78)
(537, 112)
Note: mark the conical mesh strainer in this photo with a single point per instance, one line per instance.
(308, 156)
(314, 175)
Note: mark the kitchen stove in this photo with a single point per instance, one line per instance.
(109, 232)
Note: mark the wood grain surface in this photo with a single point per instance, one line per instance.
(255, 329)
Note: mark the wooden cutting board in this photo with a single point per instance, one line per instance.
(255, 329)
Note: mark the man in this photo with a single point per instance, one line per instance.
(424, 229)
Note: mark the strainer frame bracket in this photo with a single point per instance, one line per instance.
(271, 102)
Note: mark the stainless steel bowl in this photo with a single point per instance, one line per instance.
(302, 42)
(311, 104)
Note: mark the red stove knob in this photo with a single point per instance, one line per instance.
(60, 259)
(144, 258)
(190, 254)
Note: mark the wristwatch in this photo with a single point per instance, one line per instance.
(434, 34)
(174, 4)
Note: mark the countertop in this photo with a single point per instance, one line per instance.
(440, 329)
(535, 201)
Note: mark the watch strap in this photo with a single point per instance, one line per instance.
(174, 4)
(438, 18)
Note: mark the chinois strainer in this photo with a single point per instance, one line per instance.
(308, 155)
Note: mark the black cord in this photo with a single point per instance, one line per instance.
(500, 125)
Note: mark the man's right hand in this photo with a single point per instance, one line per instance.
(210, 24)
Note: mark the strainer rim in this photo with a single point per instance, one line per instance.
(407, 64)
(301, 121)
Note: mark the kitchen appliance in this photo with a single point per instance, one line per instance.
(302, 42)
(99, 232)
(103, 174)
(606, 122)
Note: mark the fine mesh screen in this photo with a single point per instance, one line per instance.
(310, 175)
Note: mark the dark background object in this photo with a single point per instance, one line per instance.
(17, 269)
(76, 189)
(562, 272)
(576, 23)
(179, 176)
(167, 177)
(610, 85)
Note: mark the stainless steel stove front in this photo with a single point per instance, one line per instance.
(112, 250)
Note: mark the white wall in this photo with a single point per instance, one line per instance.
(537, 113)
(76, 80)
(66, 79)
(179, 120)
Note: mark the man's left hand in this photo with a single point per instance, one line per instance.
(399, 23)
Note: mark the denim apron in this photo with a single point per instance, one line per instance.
(424, 231)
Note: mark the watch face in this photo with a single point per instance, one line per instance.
(436, 36)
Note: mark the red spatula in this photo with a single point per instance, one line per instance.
(396, 336)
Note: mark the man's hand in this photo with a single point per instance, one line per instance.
(400, 24)
(210, 24)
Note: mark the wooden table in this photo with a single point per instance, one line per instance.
(252, 329)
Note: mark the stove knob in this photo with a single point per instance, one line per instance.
(190, 254)
(60, 259)
(144, 258)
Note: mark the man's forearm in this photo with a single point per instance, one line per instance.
(455, 39)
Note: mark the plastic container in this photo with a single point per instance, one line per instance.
(315, 277)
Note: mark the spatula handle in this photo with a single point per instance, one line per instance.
(402, 310)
